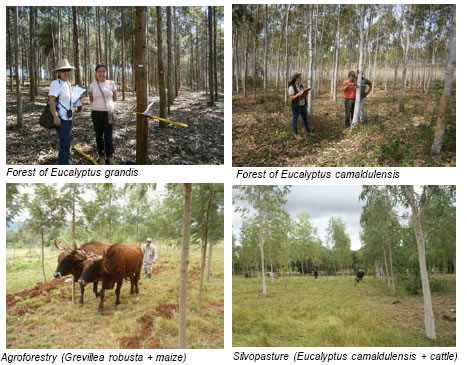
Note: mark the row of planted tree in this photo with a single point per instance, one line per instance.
(77, 213)
(270, 42)
(175, 45)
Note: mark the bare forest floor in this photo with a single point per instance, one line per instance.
(202, 143)
(334, 311)
(262, 132)
(42, 315)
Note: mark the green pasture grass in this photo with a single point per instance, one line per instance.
(334, 311)
(147, 320)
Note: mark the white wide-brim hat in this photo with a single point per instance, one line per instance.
(63, 64)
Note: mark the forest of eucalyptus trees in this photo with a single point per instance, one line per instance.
(158, 54)
(406, 51)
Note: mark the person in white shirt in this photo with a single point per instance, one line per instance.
(103, 95)
(150, 256)
(62, 109)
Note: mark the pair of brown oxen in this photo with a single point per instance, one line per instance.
(117, 262)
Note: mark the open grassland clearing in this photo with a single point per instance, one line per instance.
(334, 311)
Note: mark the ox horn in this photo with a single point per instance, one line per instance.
(56, 245)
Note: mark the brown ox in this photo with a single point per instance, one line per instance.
(70, 261)
(119, 262)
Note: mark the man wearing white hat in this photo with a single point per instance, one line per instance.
(150, 256)
(62, 109)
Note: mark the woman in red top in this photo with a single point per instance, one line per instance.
(350, 91)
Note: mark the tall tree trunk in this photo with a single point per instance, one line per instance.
(245, 65)
(406, 58)
(106, 32)
(42, 249)
(237, 67)
(123, 52)
(32, 52)
(310, 65)
(204, 249)
(448, 79)
(170, 98)
(19, 109)
(160, 68)
(141, 85)
(261, 245)
(211, 245)
(266, 51)
(336, 61)
(10, 58)
(60, 52)
(287, 65)
(429, 318)
(216, 92)
(211, 58)
(76, 46)
(356, 113)
(395, 72)
(184, 268)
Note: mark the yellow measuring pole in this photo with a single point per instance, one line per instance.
(85, 155)
(164, 120)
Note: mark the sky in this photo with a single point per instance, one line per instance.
(323, 202)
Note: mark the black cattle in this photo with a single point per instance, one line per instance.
(316, 274)
(360, 275)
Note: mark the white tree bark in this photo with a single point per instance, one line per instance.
(287, 66)
(266, 49)
(428, 309)
(448, 79)
(361, 15)
(405, 59)
(310, 65)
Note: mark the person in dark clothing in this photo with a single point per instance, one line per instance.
(297, 95)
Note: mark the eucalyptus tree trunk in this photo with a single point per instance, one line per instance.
(216, 86)
(395, 72)
(32, 54)
(237, 67)
(10, 59)
(42, 249)
(448, 80)
(287, 66)
(123, 52)
(142, 131)
(428, 309)
(208, 275)
(356, 113)
(405, 59)
(19, 109)
(245, 65)
(76, 47)
(184, 269)
(160, 69)
(211, 59)
(266, 49)
(261, 244)
(170, 98)
(375, 59)
(310, 65)
(336, 59)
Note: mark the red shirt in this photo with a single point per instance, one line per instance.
(351, 91)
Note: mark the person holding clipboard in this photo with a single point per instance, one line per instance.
(298, 95)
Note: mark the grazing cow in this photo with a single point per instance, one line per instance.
(247, 275)
(315, 272)
(70, 261)
(119, 262)
(360, 275)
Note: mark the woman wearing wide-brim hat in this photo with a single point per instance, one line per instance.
(62, 109)
(298, 96)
